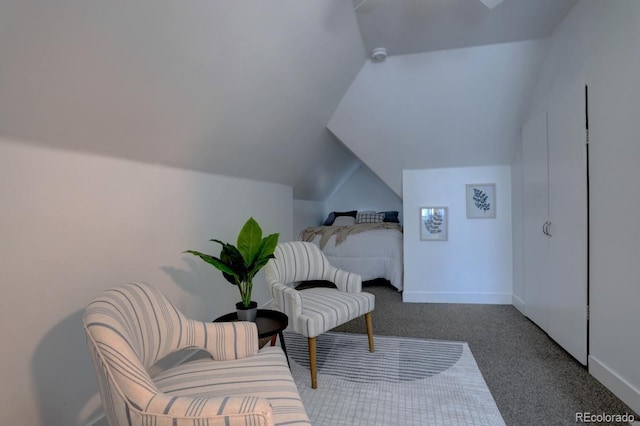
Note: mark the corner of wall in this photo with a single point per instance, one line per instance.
(624, 390)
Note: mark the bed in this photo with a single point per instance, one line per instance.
(370, 249)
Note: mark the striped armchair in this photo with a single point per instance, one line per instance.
(130, 328)
(313, 311)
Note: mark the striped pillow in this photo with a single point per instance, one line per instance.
(369, 217)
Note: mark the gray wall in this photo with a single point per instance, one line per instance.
(363, 191)
(597, 43)
(474, 265)
(447, 108)
(75, 224)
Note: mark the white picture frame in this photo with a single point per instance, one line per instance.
(481, 201)
(434, 223)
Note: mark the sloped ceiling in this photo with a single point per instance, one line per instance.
(235, 87)
(453, 90)
(415, 26)
(449, 108)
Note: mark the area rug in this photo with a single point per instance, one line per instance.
(404, 382)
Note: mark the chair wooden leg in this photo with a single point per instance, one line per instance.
(367, 318)
(313, 362)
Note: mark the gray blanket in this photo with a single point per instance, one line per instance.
(341, 232)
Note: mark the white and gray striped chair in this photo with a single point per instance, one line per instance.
(130, 328)
(313, 311)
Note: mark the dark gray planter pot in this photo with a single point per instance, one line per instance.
(247, 314)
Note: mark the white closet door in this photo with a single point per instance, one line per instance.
(567, 314)
(536, 202)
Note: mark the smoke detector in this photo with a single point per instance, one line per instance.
(379, 54)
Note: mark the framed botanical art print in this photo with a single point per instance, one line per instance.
(481, 201)
(434, 224)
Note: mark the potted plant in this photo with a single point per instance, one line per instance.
(240, 264)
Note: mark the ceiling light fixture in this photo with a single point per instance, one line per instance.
(379, 54)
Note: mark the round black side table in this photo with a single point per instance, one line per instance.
(270, 323)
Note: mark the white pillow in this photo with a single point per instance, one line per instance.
(344, 221)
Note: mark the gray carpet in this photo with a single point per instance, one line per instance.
(532, 379)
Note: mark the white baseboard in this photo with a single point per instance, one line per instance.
(458, 297)
(624, 390)
(518, 303)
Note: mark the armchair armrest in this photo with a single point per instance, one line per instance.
(224, 341)
(167, 410)
(288, 299)
(348, 282)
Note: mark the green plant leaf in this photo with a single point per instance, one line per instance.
(265, 252)
(249, 240)
(224, 257)
(268, 246)
(232, 257)
(259, 265)
(240, 264)
(218, 263)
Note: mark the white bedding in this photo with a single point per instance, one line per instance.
(376, 253)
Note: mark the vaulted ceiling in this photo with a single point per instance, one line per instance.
(414, 26)
(235, 87)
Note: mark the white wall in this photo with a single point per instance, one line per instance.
(475, 264)
(75, 224)
(517, 212)
(363, 191)
(448, 108)
(598, 43)
(306, 214)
